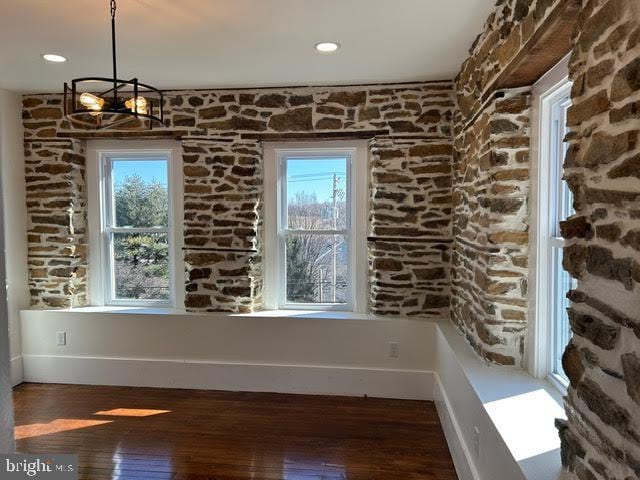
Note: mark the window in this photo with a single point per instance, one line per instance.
(313, 240)
(560, 208)
(132, 238)
(554, 204)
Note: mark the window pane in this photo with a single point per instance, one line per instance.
(562, 329)
(141, 266)
(141, 197)
(565, 198)
(317, 268)
(316, 193)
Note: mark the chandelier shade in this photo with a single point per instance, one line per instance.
(103, 102)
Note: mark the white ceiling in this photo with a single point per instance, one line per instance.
(237, 43)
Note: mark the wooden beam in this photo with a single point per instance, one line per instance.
(349, 134)
(548, 45)
(124, 134)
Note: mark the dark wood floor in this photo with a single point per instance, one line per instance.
(159, 434)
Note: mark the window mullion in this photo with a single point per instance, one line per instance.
(556, 242)
(286, 231)
(151, 230)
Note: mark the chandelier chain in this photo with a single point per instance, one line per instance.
(113, 8)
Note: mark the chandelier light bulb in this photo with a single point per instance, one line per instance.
(137, 105)
(91, 101)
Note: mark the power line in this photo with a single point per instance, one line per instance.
(324, 174)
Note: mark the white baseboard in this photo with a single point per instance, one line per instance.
(462, 459)
(384, 383)
(16, 371)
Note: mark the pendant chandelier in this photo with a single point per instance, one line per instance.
(102, 102)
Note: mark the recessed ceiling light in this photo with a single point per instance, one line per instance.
(52, 57)
(327, 47)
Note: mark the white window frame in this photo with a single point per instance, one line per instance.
(357, 174)
(99, 153)
(546, 189)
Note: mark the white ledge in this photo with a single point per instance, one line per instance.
(521, 408)
(301, 314)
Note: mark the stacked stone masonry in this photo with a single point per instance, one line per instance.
(490, 228)
(56, 205)
(223, 225)
(222, 133)
(410, 226)
(601, 439)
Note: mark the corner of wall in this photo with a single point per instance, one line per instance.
(14, 201)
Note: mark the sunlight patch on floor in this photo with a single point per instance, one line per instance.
(55, 426)
(131, 412)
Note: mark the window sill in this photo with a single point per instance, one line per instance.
(115, 309)
(557, 383)
(293, 314)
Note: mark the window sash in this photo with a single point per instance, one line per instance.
(284, 302)
(109, 228)
(283, 231)
(560, 208)
(283, 217)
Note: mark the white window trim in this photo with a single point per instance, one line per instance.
(96, 152)
(551, 87)
(359, 212)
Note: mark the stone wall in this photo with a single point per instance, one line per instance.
(601, 440)
(490, 228)
(223, 225)
(410, 226)
(222, 133)
(56, 206)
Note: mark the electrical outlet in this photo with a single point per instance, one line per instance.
(476, 441)
(61, 339)
(394, 349)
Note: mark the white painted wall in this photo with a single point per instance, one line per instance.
(329, 353)
(15, 218)
(6, 406)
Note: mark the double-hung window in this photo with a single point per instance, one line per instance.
(561, 208)
(554, 205)
(132, 236)
(136, 235)
(313, 243)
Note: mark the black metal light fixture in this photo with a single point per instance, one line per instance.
(102, 102)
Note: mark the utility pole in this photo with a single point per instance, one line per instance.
(335, 227)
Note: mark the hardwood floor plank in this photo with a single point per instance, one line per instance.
(127, 433)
